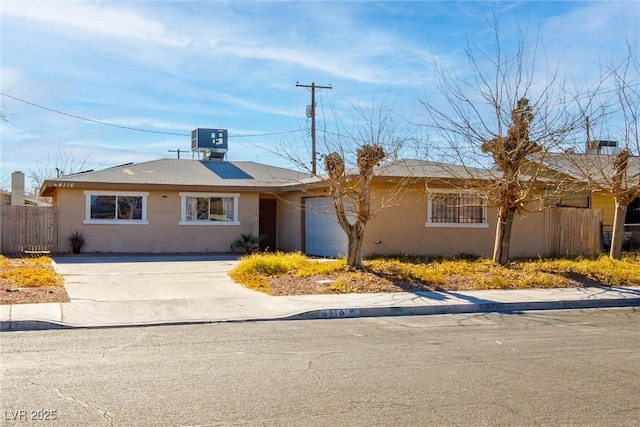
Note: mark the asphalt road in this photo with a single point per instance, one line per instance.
(537, 368)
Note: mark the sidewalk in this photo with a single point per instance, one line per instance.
(97, 314)
(138, 292)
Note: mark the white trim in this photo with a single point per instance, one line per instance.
(430, 224)
(116, 193)
(203, 222)
(456, 225)
(116, 221)
(183, 208)
(87, 208)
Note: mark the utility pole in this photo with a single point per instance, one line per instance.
(178, 151)
(312, 113)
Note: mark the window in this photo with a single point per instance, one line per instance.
(450, 209)
(573, 200)
(212, 209)
(125, 207)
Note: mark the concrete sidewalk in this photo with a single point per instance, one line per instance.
(136, 291)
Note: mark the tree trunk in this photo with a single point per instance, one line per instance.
(354, 248)
(503, 235)
(617, 236)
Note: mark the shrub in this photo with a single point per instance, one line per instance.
(247, 243)
(270, 264)
(77, 241)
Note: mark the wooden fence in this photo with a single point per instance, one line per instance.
(573, 231)
(29, 229)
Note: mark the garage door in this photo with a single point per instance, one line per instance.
(323, 235)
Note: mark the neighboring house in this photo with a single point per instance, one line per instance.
(586, 179)
(17, 196)
(179, 206)
(5, 200)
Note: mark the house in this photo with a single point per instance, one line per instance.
(587, 180)
(182, 205)
(17, 196)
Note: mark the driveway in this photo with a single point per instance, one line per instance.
(148, 278)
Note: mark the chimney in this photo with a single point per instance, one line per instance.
(17, 188)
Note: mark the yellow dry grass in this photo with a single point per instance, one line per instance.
(29, 272)
(409, 273)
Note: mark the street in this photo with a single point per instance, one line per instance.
(579, 367)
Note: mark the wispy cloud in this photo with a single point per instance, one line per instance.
(109, 19)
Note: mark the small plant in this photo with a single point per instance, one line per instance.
(247, 243)
(77, 241)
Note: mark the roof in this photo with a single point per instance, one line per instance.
(28, 201)
(414, 168)
(591, 168)
(239, 176)
(182, 172)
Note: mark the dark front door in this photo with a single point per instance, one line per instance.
(268, 224)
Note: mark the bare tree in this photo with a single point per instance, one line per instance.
(506, 110)
(355, 195)
(614, 171)
(358, 149)
(57, 163)
(626, 176)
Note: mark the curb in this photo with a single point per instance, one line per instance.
(343, 313)
(496, 307)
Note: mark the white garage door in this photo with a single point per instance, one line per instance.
(323, 235)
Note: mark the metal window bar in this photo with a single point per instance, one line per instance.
(457, 208)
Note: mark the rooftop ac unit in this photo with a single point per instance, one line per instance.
(212, 141)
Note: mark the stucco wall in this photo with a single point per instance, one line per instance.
(290, 222)
(399, 228)
(162, 234)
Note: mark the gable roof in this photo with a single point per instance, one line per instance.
(181, 173)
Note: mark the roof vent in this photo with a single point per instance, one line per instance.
(212, 142)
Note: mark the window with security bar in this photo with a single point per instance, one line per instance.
(456, 210)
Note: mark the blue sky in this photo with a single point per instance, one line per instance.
(168, 67)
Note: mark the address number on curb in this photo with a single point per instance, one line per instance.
(339, 312)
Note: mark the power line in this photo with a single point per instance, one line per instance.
(92, 120)
(135, 128)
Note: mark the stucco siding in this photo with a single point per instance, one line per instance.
(163, 232)
(399, 229)
(290, 222)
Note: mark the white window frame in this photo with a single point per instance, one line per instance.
(183, 209)
(429, 223)
(87, 208)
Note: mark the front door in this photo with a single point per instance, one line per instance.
(267, 224)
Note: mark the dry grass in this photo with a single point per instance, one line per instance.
(30, 280)
(294, 274)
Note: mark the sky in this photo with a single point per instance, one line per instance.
(112, 82)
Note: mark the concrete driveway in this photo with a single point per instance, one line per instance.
(147, 278)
